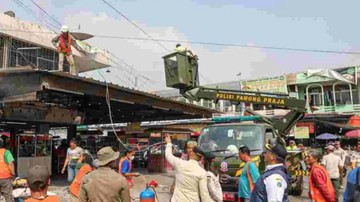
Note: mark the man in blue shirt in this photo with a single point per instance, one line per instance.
(249, 175)
(349, 194)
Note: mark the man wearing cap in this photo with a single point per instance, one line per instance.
(38, 181)
(191, 179)
(292, 146)
(63, 42)
(7, 172)
(189, 147)
(333, 165)
(273, 185)
(105, 184)
(342, 154)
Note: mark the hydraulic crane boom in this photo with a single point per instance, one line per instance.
(182, 73)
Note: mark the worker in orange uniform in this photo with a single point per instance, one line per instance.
(7, 172)
(63, 42)
(320, 187)
(86, 165)
(38, 181)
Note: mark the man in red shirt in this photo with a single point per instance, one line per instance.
(63, 43)
(320, 186)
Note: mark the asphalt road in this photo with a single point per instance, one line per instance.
(163, 191)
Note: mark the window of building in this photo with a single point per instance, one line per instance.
(27, 54)
(207, 103)
(227, 106)
(343, 95)
(315, 96)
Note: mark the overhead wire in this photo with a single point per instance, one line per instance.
(215, 44)
(31, 12)
(43, 10)
(55, 20)
(134, 24)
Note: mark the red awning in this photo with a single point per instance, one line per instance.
(353, 134)
(354, 121)
(7, 134)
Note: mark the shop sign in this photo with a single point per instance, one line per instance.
(82, 128)
(348, 74)
(301, 132)
(133, 127)
(155, 135)
(143, 140)
(272, 85)
(310, 125)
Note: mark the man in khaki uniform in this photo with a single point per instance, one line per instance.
(191, 179)
(104, 184)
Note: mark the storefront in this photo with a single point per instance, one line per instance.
(33, 149)
(156, 157)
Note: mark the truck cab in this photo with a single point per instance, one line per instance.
(224, 139)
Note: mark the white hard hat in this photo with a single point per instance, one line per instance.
(64, 28)
(232, 148)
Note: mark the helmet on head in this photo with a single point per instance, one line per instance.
(178, 44)
(232, 148)
(64, 28)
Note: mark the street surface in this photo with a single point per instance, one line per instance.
(164, 180)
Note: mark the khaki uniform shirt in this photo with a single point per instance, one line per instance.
(104, 185)
(332, 163)
(191, 179)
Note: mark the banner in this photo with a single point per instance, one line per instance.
(301, 132)
(347, 75)
(310, 125)
(271, 85)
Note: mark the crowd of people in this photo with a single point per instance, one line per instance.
(109, 178)
(326, 177)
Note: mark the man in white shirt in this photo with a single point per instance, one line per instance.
(342, 154)
(273, 185)
(334, 166)
(191, 179)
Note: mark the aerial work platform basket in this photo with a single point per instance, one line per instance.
(181, 71)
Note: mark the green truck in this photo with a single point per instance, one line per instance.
(224, 137)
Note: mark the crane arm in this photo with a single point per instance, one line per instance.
(282, 126)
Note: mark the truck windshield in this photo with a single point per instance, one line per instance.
(228, 138)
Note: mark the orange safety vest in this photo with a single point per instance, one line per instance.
(63, 48)
(46, 199)
(75, 185)
(315, 193)
(5, 171)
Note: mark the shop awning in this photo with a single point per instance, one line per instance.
(59, 98)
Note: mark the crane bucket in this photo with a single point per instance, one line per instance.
(180, 71)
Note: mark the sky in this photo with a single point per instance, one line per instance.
(321, 25)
